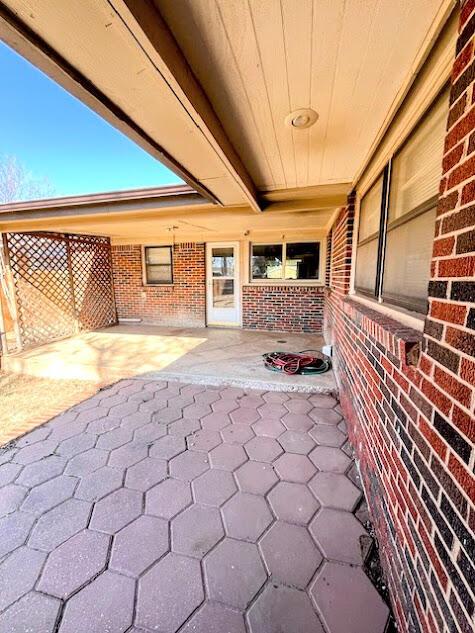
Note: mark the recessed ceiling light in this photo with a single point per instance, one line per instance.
(301, 119)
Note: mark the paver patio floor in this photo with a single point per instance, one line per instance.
(160, 506)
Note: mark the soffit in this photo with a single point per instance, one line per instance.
(259, 60)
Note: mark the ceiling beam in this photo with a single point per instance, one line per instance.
(152, 34)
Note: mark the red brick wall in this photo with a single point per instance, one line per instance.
(410, 397)
(283, 308)
(180, 304)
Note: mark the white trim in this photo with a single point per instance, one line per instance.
(237, 284)
(410, 319)
(144, 266)
(320, 281)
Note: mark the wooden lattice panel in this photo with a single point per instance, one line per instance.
(63, 284)
(92, 280)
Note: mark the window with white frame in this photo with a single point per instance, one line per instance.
(158, 265)
(285, 261)
(397, 217)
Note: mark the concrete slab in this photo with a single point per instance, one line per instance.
(208, 356)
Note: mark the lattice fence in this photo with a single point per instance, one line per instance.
(63, 284)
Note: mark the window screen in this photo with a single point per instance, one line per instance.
(415, 176)
(158, 265)
(368, 234)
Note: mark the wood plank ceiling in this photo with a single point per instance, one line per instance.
(258, 60)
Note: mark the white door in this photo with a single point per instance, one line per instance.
(222, 283)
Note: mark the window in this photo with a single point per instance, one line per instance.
(286, 261)
(397, 217)
(158, 265)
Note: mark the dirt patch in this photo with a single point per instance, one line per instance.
(27, 401)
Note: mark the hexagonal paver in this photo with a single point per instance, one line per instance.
(293, 467)
(272, 411)
(215, 421)
(263, 449)
(284, 610)
(167, 447)
(325, 416)
(37, 473)
(189, 465)
(196, 411)
(74, 563)
(203, 440)
(138, 545)
(115, 438)
(113, 512)
(268, 428)
(76, 445)
(59, 524)
(290, 555)
(169, 593)
(11, 498)
(256, 477)
(18, 574)
(335, 491)
(327, 435)
(234, 573)
(50, 494)
(246, 516)
(227, 457)
(297, 422)
(150, 432)
(347, 601)
(244, 416)
(323, 401)
(14, 530)
(128, 454)
(298, 405)
(196, 530)
(251, 401)
(145, 474)
(8, 473)
(292, 502)
(330, 459)
(184, 427)
(34, 607)
(35, 452)
(168, 498)
(99, 484)
(296, 442)
(237, 434)
(106, 604)
(338, 535)
(87, 462)
(215, 618)
(214, 487)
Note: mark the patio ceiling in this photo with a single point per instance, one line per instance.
(206, 85)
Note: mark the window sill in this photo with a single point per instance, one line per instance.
(158, 285)
(284, 282)
(402, 341)
(405, 317)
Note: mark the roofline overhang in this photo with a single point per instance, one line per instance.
(156, 198)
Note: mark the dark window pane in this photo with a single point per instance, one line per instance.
(266, 261)
(302, 260)
(223, 262)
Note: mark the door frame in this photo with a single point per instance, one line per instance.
(237, 283)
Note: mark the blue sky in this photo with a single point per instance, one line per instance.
(55, 136)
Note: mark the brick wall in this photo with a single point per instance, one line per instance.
(180, 304)
(283, 308)
(410, 397)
